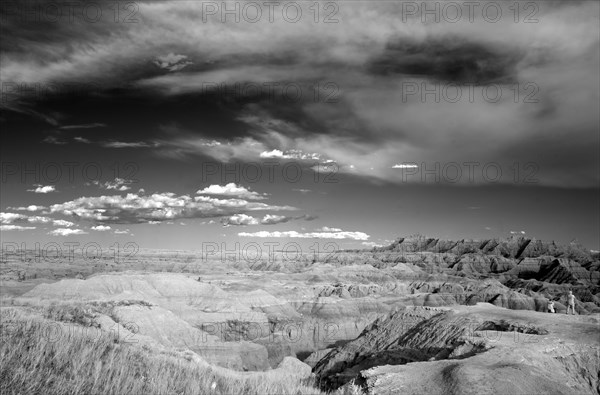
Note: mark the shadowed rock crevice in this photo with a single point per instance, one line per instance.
(505, 326)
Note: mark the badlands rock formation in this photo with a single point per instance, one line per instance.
(469, 350)
(368, 318)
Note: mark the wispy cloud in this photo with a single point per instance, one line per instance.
(53, 140)
(31, 207)
(16, 227)
(308, 235)
(118, 184)
(83, 126)
(130, 144)
(66, 232)
(290, 154)
(82, 140)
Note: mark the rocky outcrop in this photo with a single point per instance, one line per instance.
(250, 331)
(478, 349)
(512, 247)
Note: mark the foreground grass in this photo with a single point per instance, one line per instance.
(40, 355)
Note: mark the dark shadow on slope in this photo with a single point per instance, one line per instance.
(505, 326)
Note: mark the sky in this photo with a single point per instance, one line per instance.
(348, 124)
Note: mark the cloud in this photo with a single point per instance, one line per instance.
(66, 232)
(43, 189)
(371, 244)
(310, 235)
(62, 222)
(82, 140)
(270, 219)
(405, 166)
(53, 140)
(32, 207)
(134, 208)
(118, 184)
(303, 191)
(83, 126)
(129, 144)
(101, 228)
(231, 189)
(172, 62)
(8, 218)
(328, 229)
(16, 227)
(121, 231)
(239, 220)
(39, 219)
(378, 61)
(449, 59)
(517, 232)
(290, 154)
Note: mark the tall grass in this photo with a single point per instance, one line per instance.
(71, 362)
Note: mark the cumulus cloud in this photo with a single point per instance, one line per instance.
(43, 189)
(121, 231)
(271, 219)
(62, 222)
(239, 219)
(101, 228)
(231, 189)
(39, 219)
(7, 218)
(66, 232)
(308, 235)
(134, 208)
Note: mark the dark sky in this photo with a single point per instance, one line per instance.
(167, 126)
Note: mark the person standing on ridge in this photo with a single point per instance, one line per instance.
(551, 306)
(571, 302)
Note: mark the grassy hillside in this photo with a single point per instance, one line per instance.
(41, 355)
